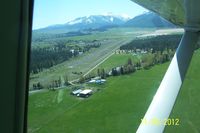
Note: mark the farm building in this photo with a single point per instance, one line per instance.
(85, 93)
(76, 92)
(98, 81)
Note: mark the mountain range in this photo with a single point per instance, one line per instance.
(149, 20)
(93, 22)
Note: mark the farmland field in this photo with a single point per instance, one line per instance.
(111, 40)
(117, 107)
(99, 73)
(117, 60)
(78, 64)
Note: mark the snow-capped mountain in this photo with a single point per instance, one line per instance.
(90, 22)
(103, 22)
(100, 19)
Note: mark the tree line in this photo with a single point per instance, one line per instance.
(158, 43)
(127, 68)
(53, 84)
(42, 58)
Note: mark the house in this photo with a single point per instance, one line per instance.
(72, 51)
(138, 51)
(80, 52)
(143, 52)
(118, 69)
(76, 92)
(103, 80)
(100, 81)
(110, 73)
(85, 93)
(92, 81)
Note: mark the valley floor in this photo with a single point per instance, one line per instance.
(111, 41)
(117, 107)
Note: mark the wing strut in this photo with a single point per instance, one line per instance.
(164, 99)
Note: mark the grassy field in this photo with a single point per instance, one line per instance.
(117, 60)
(111, 40)
(116, 108)
(119, 105)
(82, 63)
(187, 107)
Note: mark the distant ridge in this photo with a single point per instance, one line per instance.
(87, 22)
(148, 20)
(103, 22)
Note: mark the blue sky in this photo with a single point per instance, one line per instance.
(50, 12)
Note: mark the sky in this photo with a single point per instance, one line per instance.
(51, 12)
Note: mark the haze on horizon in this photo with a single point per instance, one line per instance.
(52, 12)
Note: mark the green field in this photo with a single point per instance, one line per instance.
(117, 60)
(117, 107)
(110, 40)
(82, 63)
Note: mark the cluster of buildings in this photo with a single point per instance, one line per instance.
(135, 52)
(88, 92)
